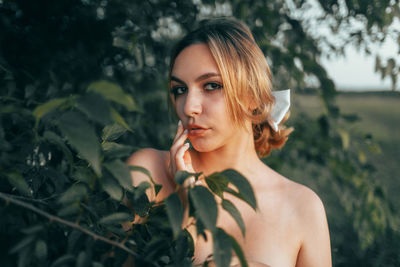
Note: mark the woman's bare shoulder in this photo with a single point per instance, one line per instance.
(302, 199)
(147, 156)
(156, 162)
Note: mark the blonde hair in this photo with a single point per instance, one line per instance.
(245, 75)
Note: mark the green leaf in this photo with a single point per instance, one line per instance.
(205, 205)
(57, 140)
(33, 229)
(25, 256)
(18, 181)
(111, 186)
(47, 107)
(239, 252)
(21, 244)
(83, 174)
(157, 187)
(75, 193)
(140, 169)
(222, 248)
(217, 183)
(64, 260)
(82, 260)
(95, 107)
(113, 132)
(118, 119)
(175, 213)
(114, 92)
(115, 150)
(69, 210)
(141, 203)
(229, 207)
(82, 137)
(181, 176)
(121, 172)
(117, 217)
(41, 249)
(240, 182)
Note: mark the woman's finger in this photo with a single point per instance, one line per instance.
(179, 130)
(179, 157)
(180, 140)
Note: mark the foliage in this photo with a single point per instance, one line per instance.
(83, 85)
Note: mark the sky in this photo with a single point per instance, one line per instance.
(355, 71)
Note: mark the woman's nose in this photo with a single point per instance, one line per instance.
(192, 106)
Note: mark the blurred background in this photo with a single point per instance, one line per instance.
(340, 58)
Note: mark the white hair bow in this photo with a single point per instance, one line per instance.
(280, 108)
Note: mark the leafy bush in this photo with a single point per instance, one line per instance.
(83, 86)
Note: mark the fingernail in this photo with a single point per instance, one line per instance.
(179, 123)
(185, 131)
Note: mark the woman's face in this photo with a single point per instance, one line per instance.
(196, 85)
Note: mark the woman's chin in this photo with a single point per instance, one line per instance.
(202, 147)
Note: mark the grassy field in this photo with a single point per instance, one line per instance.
(379, 115)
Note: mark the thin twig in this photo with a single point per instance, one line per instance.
(11, 199)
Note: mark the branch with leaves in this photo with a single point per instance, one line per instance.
(10, 199)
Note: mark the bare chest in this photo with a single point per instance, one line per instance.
(271, 237)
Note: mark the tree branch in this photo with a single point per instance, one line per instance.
(11, 199)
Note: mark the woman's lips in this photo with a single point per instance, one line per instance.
(195, 130)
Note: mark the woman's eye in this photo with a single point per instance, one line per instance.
(212, 86)
(178, 90)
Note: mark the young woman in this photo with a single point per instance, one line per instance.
(220, 88)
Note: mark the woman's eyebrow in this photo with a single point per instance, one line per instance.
(173, 78)
(207, 75)
(201, 77)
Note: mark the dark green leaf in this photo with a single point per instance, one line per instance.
(115, 150)
(69, 210)
(117, 217)
(47, 107)
(205, 205)
(181, 176)
(175, 213)
(141, 203)
(33, 229)
(64, 260)
(243, 186)
(121, 172)
(95, 107)
(229, 207)
(120, 120)
(25, 256)
(222, 252)
(57, 140)
(82, 137)
(113, 92)
(111, 186)
(146, 172)
(18, 181)
(41, 249)
(83, 174)
(75, 193)
(217, 183)
(21, 244)
(113, 132)
(239, 252)
(82, 260)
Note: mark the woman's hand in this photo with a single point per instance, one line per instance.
(180, 159)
